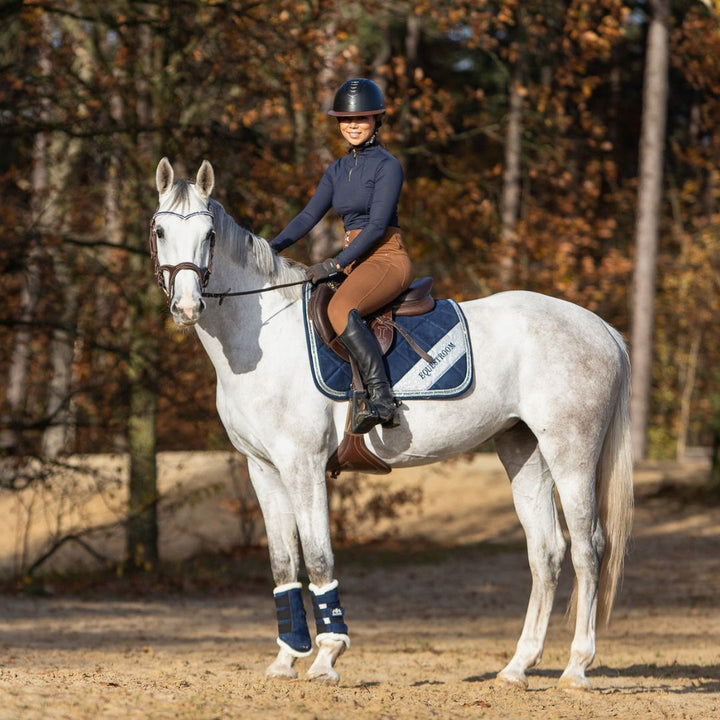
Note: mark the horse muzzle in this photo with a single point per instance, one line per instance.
(186, 310)
(185, 291)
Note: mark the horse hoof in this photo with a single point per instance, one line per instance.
(281, 672)
(330, 677)
(574, 683)
(272, 676)
(507, 680)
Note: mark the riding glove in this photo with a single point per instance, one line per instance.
(321, 271)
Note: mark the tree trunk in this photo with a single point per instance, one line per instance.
(142, 523)
(323, 239)
(715, 461)
(510, 203)
(58, 437)
(688, 386)
(16, 392)
(53, 157)
(142, 529)
(652, 143)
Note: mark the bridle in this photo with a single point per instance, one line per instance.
(173, 270)
(203, 274)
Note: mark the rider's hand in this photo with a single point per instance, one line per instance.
(322, 271)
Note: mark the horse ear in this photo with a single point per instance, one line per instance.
(164, 176)
(205, 181)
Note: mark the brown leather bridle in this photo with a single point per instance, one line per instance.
(173, 270)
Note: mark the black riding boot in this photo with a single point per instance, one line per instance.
(361, 344)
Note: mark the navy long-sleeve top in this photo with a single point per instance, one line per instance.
(363, 187)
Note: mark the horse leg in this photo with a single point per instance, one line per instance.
(310, 502)
(572, 459)
(587, 545)
(280, 527)
(332, 632)
(532, 488)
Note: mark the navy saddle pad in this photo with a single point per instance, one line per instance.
(442, 333)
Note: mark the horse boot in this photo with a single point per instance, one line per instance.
(380, 405)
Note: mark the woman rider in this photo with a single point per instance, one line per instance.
(364, 188)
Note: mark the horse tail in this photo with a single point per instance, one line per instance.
(614, 488)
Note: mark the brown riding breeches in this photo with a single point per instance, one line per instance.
(372, 281)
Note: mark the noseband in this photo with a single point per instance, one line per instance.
(173, 270)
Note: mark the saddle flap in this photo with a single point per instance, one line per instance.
(317, 310)
(353, 455)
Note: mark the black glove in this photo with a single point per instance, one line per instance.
(322, 271)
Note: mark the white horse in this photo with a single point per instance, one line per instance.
(551, 387)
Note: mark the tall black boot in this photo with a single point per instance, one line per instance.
(361, 344)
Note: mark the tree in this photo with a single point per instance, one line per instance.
(652, 147)
(550, 168)
(715, 458)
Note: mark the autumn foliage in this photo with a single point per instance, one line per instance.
(93, 94)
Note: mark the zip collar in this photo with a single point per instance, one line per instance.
(372, 142)
(356, 150)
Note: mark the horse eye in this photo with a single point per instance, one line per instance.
(209, 235)
(160, 233)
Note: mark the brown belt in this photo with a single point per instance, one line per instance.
(350, 235)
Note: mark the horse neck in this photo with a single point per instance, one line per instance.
(247, 337)
(248, 263)
(243, 262)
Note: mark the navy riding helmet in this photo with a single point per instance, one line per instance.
(358, 96)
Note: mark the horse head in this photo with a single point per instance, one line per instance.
(182, 238)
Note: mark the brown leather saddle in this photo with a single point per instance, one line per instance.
(352, 453)
(416, 300)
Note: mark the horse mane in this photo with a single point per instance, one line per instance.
(243, 246)
(246, 248)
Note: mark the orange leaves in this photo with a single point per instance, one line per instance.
(698, 50)
(245, 85)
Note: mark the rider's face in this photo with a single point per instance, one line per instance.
(357, 130)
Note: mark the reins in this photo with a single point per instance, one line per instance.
(227, 293)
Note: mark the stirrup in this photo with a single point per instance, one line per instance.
(363, 416)
(393, 421)
(393, 405)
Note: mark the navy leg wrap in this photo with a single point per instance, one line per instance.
(329, 614)
(293, 633)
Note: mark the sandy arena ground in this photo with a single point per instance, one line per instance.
(432, 617)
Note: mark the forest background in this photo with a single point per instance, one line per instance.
(518, 125)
